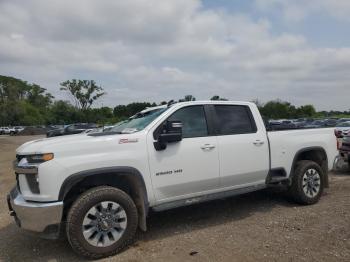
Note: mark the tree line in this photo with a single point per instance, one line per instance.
(23, 103)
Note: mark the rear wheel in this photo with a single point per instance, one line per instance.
(307, 183)
(101, 222)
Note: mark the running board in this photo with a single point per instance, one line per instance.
(209, 197)
(277, 179)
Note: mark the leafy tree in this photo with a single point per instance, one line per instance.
(37, 96)
(306, 111)
(62, 112)
(125, 111)
(29, 114)
(12, 89)
(100, 115)
(217, 98)
(280, 109)
(83, 92)
(22, 103)
(276, 109)
(187, 98)
(120, 111)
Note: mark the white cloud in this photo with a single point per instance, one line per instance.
(16, 36)
(297, 10)
(160, 50)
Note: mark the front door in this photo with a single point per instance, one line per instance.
(188, 167)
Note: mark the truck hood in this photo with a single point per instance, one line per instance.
(72, 144)
(48, 145)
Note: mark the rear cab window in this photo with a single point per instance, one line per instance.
(234, 120)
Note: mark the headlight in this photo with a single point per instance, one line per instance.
(39, 158)
(28, 164)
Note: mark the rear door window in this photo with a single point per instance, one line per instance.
(234, 119)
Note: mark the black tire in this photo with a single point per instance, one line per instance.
(76, 214)
(296, 190)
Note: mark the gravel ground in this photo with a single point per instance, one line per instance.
(262, 226)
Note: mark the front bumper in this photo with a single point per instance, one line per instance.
(35, 216)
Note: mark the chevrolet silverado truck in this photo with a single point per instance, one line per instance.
(98, 188)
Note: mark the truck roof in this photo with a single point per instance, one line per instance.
(199, 102)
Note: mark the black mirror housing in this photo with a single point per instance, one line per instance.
(172, 133)
(170, 137)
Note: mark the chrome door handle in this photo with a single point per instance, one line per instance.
(207, 147)
(258, 143)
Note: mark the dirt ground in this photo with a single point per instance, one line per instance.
(262, 226)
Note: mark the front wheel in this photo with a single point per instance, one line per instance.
(307, 183)
(101, 222)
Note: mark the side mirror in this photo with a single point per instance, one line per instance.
(171, 133)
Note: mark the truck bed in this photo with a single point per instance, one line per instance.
(285, 145)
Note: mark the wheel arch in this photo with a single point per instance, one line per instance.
(125, 178)
(317, 154)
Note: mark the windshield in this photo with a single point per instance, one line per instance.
(137, 122)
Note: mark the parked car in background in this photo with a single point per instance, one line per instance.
(316, 124)
(281, 125)
(5, 130)
(341, 120)
(344, 150)
(8, 131)
(18, 129)
(299, 123)
(93, 130)
(71, 129)
(342, 129)
(331, 122)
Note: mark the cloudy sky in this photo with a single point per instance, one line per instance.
(155, 50)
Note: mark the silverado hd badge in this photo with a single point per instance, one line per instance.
(170, 172)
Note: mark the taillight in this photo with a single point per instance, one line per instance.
(339, 143)
(338, 133)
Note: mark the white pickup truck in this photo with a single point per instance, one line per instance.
(99, 187)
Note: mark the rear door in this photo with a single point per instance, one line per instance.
(243, 148)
